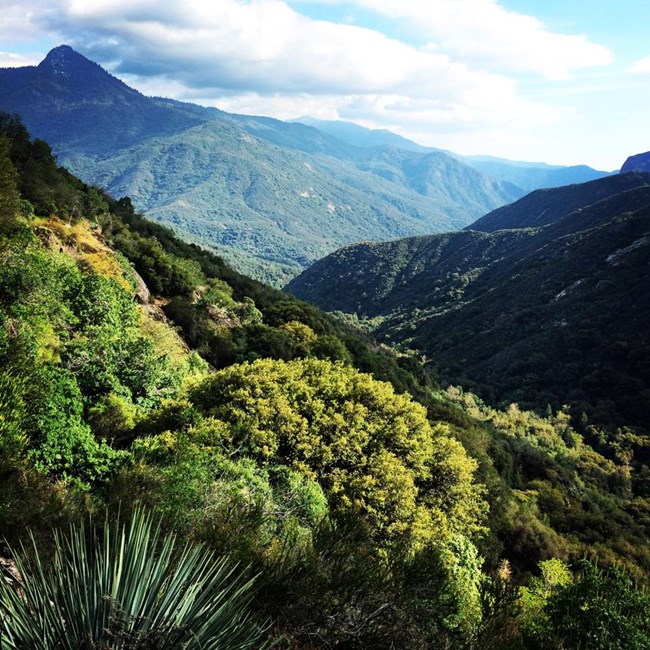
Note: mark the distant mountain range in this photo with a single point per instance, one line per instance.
(273, 196)
(526, 175)
(541, 302)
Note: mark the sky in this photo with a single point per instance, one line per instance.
(558, 82)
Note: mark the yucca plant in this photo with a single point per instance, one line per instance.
(128, 587)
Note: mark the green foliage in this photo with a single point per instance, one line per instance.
(542, 303)
(237, 506)
(361, 511)
(373, 450)
(61, 442)
(558, 497)
(9, 195)
(230, 318)
(48, 188)
(72, 345)
(127, 586)
(112, 417)
(163, 273)
(599, 609)
(13, 441)
(534, 598)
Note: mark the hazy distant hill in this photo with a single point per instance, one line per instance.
(554, 311)
(360, 136)
(531, 176)
(526, 175)
(273, 196)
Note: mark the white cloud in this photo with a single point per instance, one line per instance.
(17, 20)
(11, 60)
(484, 34)
(263, 45)
(228, 47)
(641, 67)
(455, 81)
(400, 113)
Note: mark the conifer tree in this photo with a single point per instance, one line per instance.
(9, 195)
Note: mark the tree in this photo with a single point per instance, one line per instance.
(9, 195)
(599, 610)
(373, 451)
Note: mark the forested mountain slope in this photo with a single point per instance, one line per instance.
(272, 195)
(546, 206)
(373, 509)
(639, 162)
(554, 312)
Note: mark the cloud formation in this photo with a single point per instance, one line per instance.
(482, 33)
(642, 66)
(11, 60)
(263, 46)
(266, 47)
(456, 72)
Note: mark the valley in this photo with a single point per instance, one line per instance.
(308, 384)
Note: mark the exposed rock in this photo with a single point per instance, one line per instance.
(142, 292)
(221, 317)
(9, 572)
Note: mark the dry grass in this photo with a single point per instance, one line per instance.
(84, 244)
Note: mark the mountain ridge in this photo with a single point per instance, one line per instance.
(115, 137)
(543, 206)
(638, 162)
(528, 176)
(548, 312)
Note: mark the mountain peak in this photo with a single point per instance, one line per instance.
(62, 59)
(62, 51)
(71, 72)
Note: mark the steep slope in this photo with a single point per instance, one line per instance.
(76, 106)
(273, 196)
(543, 207)
(637, 163)
(316, 477)
(554, 312)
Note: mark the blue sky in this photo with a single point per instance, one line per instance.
(560, 82)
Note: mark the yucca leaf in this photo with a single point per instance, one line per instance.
(127, 587)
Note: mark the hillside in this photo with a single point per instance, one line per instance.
(552, 312)
(544, 207)
(272, 196)
(360, 136)
(638, 163)
(370, 507)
